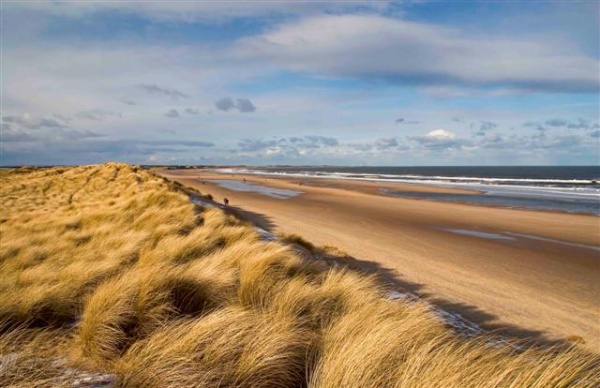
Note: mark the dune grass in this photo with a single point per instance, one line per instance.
(111, 269)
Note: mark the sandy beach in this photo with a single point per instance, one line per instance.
(531, 274)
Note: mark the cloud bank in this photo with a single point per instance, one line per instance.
(379, 47)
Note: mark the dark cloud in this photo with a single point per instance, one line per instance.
(62, 118)
(173, 113)
(10, 135)
(310, 141)
(361, 146)
(50, 123)
(556, 122)
(87, 116)
(96, 114)
(498, 141)
(91, 150)
(154, 89)
(58, 121)
(33, 122)
(583, 124)
(289, 145)
(129, 102)
(562, 142)
(563, 123)
(131, 146)
(487, 125)
(535, 125)
(384, 144)
(76, 134)
(225, 104)
(322, 140)
(539, 136)
(595, 134)
(243, 105)
(539, 141)
(58, 134)
(404, 121)
(191, 111)
(185, 143)
(15, 136)
(252, 145)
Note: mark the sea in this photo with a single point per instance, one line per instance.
(573, 189)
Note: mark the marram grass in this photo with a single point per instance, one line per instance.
(111, 269)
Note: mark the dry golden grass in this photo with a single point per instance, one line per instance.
(292, 238)
(27, 358)
(232, 346)
(110, 268)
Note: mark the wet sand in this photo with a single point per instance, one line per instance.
(501, 268)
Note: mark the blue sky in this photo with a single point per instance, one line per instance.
(301, 82)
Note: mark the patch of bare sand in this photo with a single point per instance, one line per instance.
(529, 288)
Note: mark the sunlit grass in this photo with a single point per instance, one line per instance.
(110, 268)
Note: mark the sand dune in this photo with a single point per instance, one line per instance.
(524, 283)
(113, 275)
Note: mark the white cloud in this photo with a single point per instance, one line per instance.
(370, 46)
(439, 139)
(440, 134)
(70, 89)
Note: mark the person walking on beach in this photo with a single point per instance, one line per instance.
(226, 201)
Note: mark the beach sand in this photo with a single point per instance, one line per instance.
(526, 287)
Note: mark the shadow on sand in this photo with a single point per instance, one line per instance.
(393, 280)
(260, 220)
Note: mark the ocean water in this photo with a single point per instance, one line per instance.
(251, 187)
(574, 189)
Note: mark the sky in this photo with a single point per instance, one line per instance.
(360, 83)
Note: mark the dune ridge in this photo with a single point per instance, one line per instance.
(112, 271)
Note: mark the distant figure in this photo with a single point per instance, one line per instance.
(226, 201)
(244, 179)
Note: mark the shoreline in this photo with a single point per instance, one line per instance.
(368, 186)
(395, 189)
(525, 287)
(372, 189)
(327, 181)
